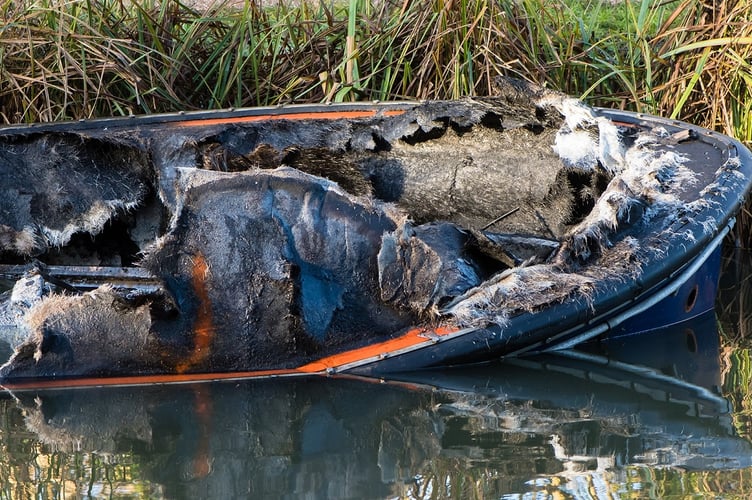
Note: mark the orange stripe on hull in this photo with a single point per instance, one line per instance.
(169, 378)
(374, 351)
(313, 115)
(413, 338)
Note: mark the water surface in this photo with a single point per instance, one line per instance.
(660, 414)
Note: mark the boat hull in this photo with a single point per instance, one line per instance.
(671, 278)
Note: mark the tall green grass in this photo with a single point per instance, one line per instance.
(70, 59)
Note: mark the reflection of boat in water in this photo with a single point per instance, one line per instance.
(653, 398)
(360, 438)
(367, 237)
(734, 293)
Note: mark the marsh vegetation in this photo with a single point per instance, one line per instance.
(685, 59)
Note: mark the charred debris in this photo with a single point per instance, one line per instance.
(206, 247)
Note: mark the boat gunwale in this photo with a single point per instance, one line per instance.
(226, 116)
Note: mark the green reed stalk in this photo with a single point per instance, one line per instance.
(85, 58)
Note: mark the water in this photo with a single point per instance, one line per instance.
(661, 414)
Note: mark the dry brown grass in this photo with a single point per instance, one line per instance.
(83, 58)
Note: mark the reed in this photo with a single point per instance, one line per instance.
(82, 58)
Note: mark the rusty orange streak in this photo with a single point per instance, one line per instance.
(203, 328)
(202, 459)
(311, 115)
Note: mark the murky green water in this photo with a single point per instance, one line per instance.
(550, 427)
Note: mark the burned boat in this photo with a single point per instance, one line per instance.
(364, 238)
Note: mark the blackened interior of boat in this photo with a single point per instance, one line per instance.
(101, 201)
